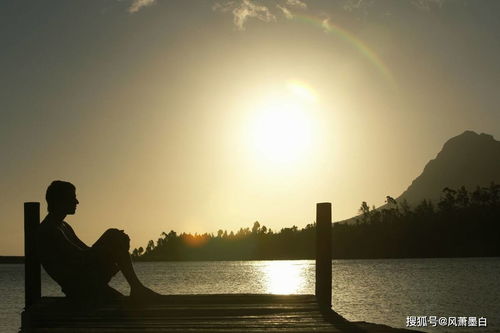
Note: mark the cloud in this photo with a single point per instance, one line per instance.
(139, 4)
(351, 5)
(286, 8)
(246, 9)
(273, 10)
(427, 4)
(325, 24)
(243, 10)
(288, 14)
(296, 3)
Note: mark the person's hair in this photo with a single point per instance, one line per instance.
(56, 192)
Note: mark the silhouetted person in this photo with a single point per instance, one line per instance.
(83, 272)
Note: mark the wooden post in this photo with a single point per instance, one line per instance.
(324, 254)
(32, 282)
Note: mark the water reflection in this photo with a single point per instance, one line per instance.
(382, 291)
(283, 277)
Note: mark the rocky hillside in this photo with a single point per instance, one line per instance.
(468, 159)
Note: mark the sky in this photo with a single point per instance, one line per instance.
(196, 116)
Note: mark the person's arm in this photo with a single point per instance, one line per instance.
(68, 248)
(71, 235)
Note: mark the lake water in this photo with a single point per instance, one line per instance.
(382, 291)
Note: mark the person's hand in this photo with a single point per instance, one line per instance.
(124, 234)
(121, 233)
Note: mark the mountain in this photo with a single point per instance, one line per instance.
(469, 159)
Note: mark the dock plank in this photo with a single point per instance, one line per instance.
(228, 313)
(182, 313)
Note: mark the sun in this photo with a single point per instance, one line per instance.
(281, 129)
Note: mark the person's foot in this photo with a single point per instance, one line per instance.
(143, 293)
(110, 293)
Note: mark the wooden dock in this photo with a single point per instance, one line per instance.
(190, 313)
(185, 313)
(225, 313)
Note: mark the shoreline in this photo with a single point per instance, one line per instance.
(11, 259)
(20, 259)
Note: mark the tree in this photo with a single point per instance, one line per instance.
(150, 246)
(405, 206)
(462, 197)
(463, 224)
(256, 227)
(365, 210)
(448, 199)
(391, 201)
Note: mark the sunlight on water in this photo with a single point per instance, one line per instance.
(383, 291)
(283, 277)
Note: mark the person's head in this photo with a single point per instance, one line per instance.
(61, 197)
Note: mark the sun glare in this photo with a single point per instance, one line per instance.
(301, 90)
(281, 129)
(283, 277)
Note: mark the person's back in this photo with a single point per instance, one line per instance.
(60, 255)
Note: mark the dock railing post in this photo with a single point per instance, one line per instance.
(32, 281)
(324, 254)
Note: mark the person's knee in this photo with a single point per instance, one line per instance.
(118, 238)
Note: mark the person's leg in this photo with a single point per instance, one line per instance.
(115, 244)
(125, 265)
(91, 282)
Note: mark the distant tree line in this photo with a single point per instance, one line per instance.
(461, 224)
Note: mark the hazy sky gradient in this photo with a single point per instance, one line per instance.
(145, 106)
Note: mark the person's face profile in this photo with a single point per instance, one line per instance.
(70, 202)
